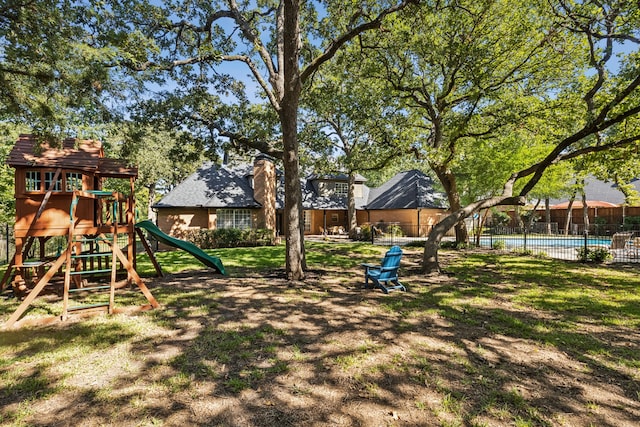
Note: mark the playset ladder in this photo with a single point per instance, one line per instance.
(7, 275)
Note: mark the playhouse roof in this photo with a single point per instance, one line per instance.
(83, 155)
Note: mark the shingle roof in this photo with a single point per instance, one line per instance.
(597, 190)
(312, 200)
(227, 187)
(406, 190)
(211, 186)
(337, 177)
(83, 155)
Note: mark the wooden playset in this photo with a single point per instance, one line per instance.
(59, 192)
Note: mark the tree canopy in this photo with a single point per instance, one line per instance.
(56, 71)
(495, 97)
(279, 46)
(516, 89)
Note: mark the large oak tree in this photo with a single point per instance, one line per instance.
(278, 46)
(533, 79)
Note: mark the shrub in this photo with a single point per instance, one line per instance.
(395, 230)
(631, 222)
(229, 237)
(499, 217)
(453, 245)
(597, 255)
(499, 245)
(365, 233)
(524, 252)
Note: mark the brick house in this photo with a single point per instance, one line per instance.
(251, 196)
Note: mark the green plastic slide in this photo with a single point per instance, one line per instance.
(201, 255)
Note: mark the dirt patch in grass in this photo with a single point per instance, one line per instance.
(255, 350)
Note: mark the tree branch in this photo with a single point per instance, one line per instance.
(336, 44)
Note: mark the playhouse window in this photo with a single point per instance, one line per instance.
(48, 180)
(234, 218)
(33, 181)
(73, 181)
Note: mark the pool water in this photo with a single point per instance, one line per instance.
(567, 242)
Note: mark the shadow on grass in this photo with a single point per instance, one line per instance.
(504, 341)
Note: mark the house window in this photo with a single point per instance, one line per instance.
(334, 218)
(73, 181)
(341, 188)
(48, 180)
(234, 218)
(33, 181)
(307, 220)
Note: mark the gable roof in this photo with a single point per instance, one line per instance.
(597, 190)
(83, 155)
(212, 187)
(406, 190)
(337, 177)
(312, 200)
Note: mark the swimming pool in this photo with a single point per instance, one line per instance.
(547, 241)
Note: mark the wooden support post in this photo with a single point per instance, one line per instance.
(67, 256)
(152, 256)
(18, 256)
(35, 291)
(114, 269)
(136, 277)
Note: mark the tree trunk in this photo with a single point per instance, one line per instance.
(585, 213)
(351, 205)
(547, 215)
(151, 215)
(430, 258)
(462, 234)
(482, 220)
(532, 217)
(448, 181)
(294, 229)
(567, 223)
(430, 262)
(518, 217)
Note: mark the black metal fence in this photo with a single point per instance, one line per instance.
(621, 246)
(598, 242)
(7, 244)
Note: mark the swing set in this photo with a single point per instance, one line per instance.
(59, 194)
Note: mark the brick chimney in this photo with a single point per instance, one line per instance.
(264, 190)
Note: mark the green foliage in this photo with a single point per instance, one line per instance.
(365, 233)
(394, 230)
(524, 252)
(8, 135)
(453, 245)
(499, 245)
(58, 67)
(229, 237)
(499, 217)
(631, 223)
(596, 255)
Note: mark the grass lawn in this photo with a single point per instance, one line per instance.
(499, 340)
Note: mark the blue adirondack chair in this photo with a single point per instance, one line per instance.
(385, 275)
